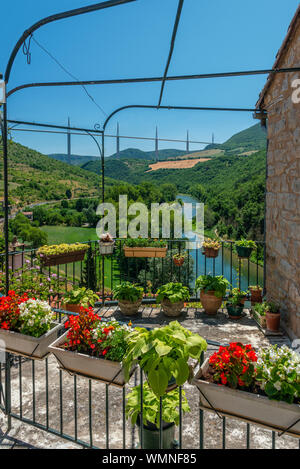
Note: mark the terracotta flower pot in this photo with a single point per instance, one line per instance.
(256, 296)
(178, 262)
(71, 307)
(172, 309)
(128, 308)
(210, 302)
(273, 321)
(211, 253)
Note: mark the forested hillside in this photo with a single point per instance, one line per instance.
(34, 177)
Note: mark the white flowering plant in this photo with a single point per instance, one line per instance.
(35, 317)
(278, 373)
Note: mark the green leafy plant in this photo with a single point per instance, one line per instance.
(81, 296)
(174, 292)
(278, 373)
(255, 287)
(209, 243)
(128, 291)
(218, 284)
(266, 307)
(145, 243)
(260, 308)
(163, 354)
(61, 249)
(236, 296)
(151, 406)
(246, 243)
(180, 256)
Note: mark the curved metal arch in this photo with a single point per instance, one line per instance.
(178, 108)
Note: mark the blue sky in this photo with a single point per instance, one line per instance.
(133, 41)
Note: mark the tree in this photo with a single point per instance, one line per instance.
(89, 272)
(69, 193)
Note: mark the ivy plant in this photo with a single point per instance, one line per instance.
(151, 406)
(163, 354)
(128, 291)
(218, 284)
(174, 292)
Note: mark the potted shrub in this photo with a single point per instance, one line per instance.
(151, 415)
(262, 388)
(106, 244)
(235, 303)
(212, 289)
(129, 296)
(139, 247)
(172, 297)
(92, 347)
(179, 259)
(62, 253)
(244, 247)
(74, 299)
(27, 325)
(163, 354)
(211, 248)
(259, 314)
(256, 294)
(272, 316)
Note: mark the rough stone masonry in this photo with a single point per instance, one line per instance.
(283, 182)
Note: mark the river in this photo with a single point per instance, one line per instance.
(226, 263)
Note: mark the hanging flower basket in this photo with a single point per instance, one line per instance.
(211, 248)
(250, 407)
(244, 248)
(62, 254)
(106, 245)
(178, 259)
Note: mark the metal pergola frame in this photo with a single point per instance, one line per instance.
(163, 79)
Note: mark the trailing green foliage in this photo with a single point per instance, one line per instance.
(151, 406)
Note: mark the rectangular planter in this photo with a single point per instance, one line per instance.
(99, 368)
(33, 347)
(260, 319)
(246, 406)
(65, 258)
(145, 252)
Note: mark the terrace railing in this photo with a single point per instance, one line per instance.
(103, 273)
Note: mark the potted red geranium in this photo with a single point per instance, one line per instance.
(92, 347)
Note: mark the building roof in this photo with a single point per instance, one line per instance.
(280, 54)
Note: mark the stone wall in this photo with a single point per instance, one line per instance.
(283, 190)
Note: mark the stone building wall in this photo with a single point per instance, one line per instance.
(283, 188)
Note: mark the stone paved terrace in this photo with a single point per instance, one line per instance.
(218, 328)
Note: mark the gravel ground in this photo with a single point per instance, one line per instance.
(217, 328)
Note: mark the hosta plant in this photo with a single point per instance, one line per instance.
(174, 292)
(25, 315)
(278, 373)
(151, 406)
(233, 366)
(163, 354)
(128, 291)
(61, 249)
(81, 296)
(218, 284)
(88, 334)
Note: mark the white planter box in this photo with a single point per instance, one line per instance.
(33, 347)
(247, 406)
(79, 363)
(106, 248)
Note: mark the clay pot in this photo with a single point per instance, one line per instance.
(179, 262)
(71, 307)
(172, 309)
(273, 321)
(211, 253)
(256, 296)
(210, 302)
(128, 308)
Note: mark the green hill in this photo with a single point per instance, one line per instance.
(253, 138)
(76, 160)
(34, 177)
